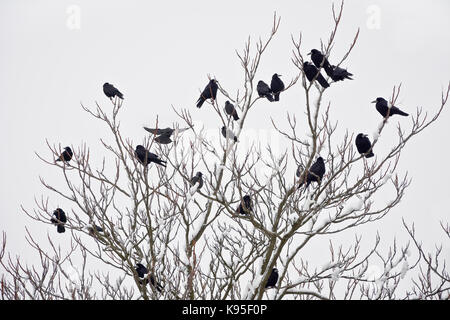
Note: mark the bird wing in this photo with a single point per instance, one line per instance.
(159, 131)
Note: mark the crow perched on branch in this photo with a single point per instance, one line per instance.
(311, 71)
(145, 157)
(210, 92)
(264, 90)
(384, 110)
(141, 270)
(315, 173)
(273, 278)
(335, 73)
(110, 91)
(59, 220)
(198, 178)
(163, 135)
(276, 86)
(246, 206)
(318, 58)
(231, 110)
(66, 155)
(340, 74)
(363, 145)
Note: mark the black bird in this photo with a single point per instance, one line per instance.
(145, 157)
(210, 92)
(363, 145)
(340, 74)
(163, 135)
(227, 132)
(110, 91)
(197, 178)
(315, 173)
(264, 91)
(273, 278)
(59, 220)
(311, 71)
(276, 86)
(231, 110)
(141, 270)
(66, 155)
(383, 109)
(246, 206)
(317, 57)
(299, 171)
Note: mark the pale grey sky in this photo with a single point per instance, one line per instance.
(159, 54)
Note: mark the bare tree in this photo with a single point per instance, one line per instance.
(193, 241)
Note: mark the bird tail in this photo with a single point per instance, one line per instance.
(235, 116)
(402, 113)
(322, 81)
(370, 155)
(200, 102)
(120, 95)
(61, 228)
(269, 97)
(277, 96)
(161, 163)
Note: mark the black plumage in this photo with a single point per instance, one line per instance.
(145, 157)
(110, 91)
(264, 90)
(384, 110)
(66, 155)
(339, 74)
(246, 206)
(299, 171)
(210, 92)
(198, 178)
(273, 278)
(315, 173)
(59, 220)
(231, 110)
(311, 71)
(158, 131)
(364, 145)
(163, 136)
(320, 60)
(276, 86)
(141, 270)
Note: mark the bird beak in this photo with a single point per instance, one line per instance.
(309, 54)
(374, 101)
(279, 75)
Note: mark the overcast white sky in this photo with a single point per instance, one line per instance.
(160, 53)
